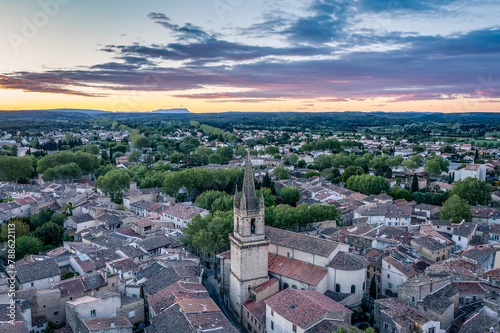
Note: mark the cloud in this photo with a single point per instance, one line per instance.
(410, 67)
(186, 32)
(378, 6)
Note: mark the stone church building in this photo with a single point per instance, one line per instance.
(265, 260)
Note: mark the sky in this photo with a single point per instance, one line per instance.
(251, 55)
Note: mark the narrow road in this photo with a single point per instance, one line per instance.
(214, 294)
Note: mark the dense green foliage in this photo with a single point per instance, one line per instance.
(26, 245)
(474, 191)
(456, 209)
(368, 184)
(114, 183)
(15, 169)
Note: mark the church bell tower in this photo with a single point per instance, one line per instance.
(249, 245)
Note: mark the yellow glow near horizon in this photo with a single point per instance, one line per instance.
(148, 101)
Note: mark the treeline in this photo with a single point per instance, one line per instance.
(220, 134)
(16, 169)
(67, 165)
(209, 235)
(42, 232)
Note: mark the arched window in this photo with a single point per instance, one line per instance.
(252, 226)
(337, 288)
(353, 289)
(237, 224)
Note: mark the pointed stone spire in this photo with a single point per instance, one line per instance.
(236, 198)
(248, 189)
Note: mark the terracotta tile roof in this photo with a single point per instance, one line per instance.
(264, 285)
(374, 257)
(493, 273)
(178, 290)
(467, 287)
(129, 232)
(198, 305)
(348, 262)
(296, 269)
(303, 307)
(257, 309)
(478, 252)
(39, 268)
(210, 321)
(403, 314)
(183, 211)
(124, 264)
(479, 322)
(143, 223)
(301, 242)
(70, 287)
(403, 268)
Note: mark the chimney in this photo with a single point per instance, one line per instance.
(112, 324)
(105, 276)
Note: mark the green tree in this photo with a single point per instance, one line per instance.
(290, 159)
(351, 170)
(215, 159)
(201, 154)
(281, 173)
(68, 208)
(175, 157)
(134, 156)
(271, 150)
(414, 162)
(50, 234)
(418, 148)
(207, 200)
(114, 183)
(65, 172)
(290, 195)
(414, 183)
(456, 209)
(436, 165)
(58, 219)
(140, 141)
(312, 173)
(40, 218)
(474, 191)
(149, 160)
(379, 165)
(209, 235)
(226, 153)
(368, 184)
(26, 245)
(20, 229)
(15, 169)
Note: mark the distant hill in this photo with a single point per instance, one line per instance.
(171, 111)
(88, 111)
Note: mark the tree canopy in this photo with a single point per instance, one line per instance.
(474, 191)
(368, 184)
(456, 209)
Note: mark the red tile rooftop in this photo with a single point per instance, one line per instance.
(264, 285)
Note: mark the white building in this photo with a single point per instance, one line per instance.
(477, 171)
